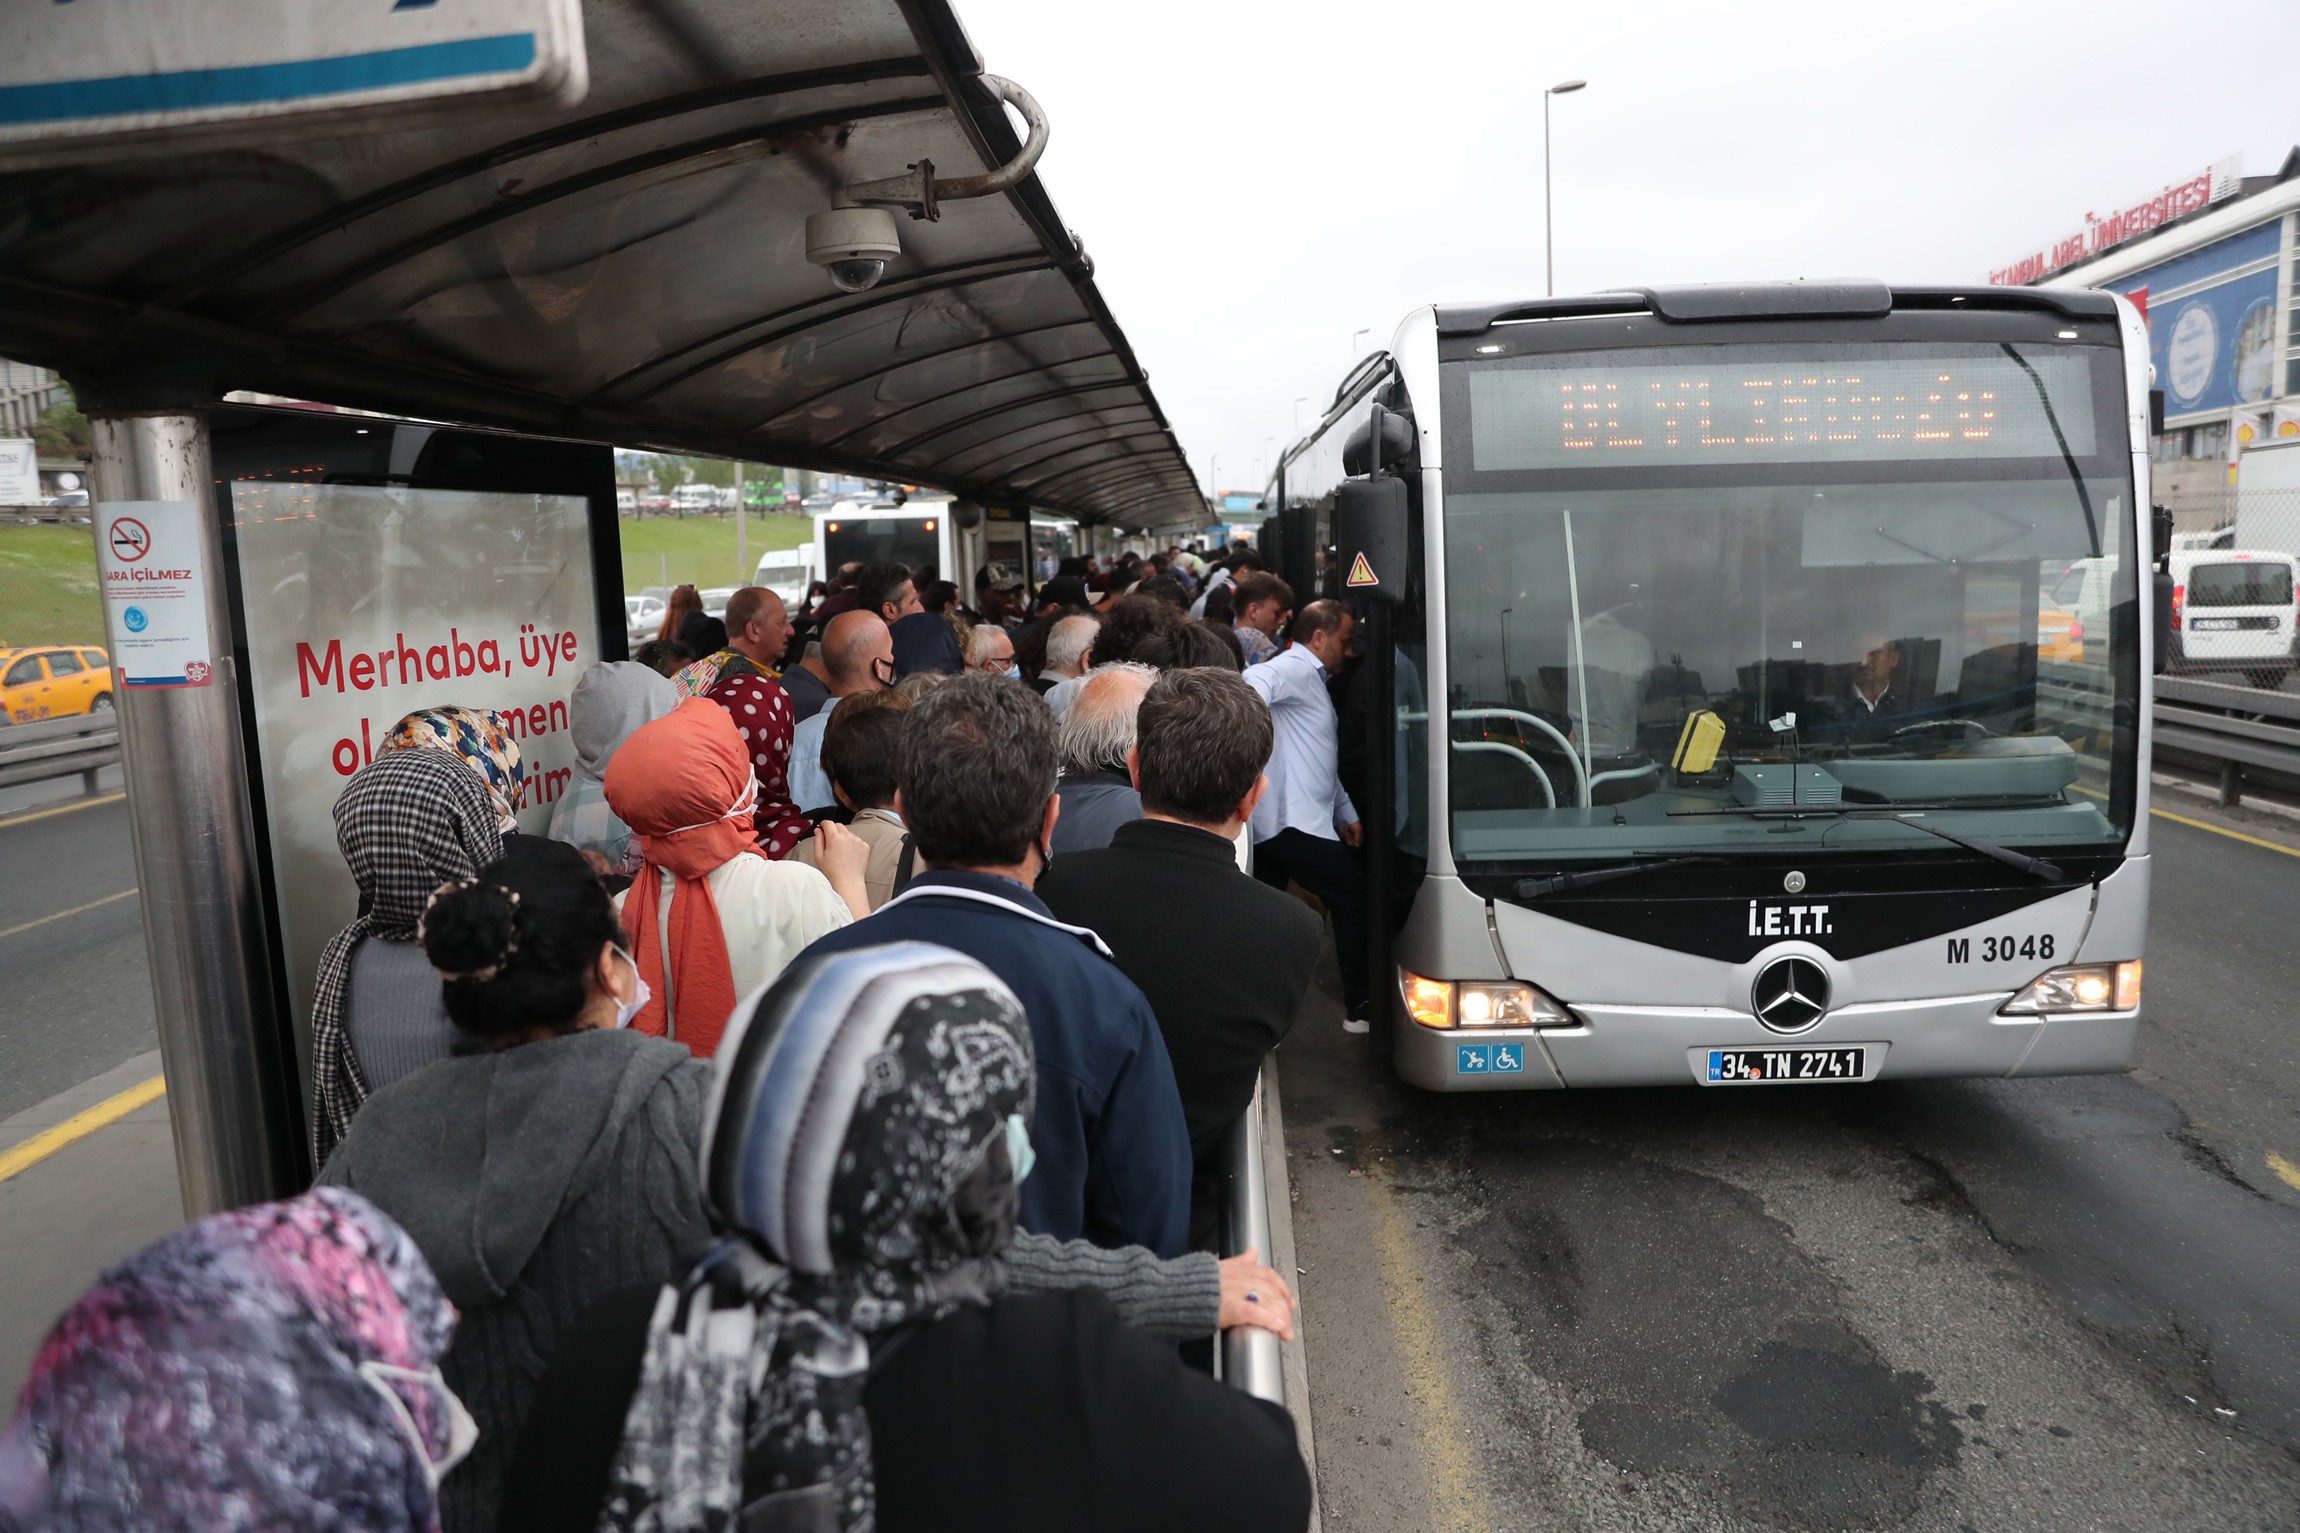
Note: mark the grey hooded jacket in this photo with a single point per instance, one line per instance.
(534, 1180)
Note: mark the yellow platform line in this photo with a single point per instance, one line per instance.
(2222, 830)
(109, 899)
(72, 808)
(2286, 1172)
(80, 1125)
(1448, 1460)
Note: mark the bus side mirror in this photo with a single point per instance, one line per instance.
(1397, 442)
(1370, 527)
(2160, 520)
(2156, 412)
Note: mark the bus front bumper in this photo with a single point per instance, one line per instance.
(1668, 1046)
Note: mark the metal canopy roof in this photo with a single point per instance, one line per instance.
(632, 269)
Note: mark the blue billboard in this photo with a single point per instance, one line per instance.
(2212, 322)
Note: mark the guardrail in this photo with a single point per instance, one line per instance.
(59, 747)
(1249, 1357)
(2230, 727)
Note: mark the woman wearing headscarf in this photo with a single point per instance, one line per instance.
(407, 822)
(610, 701)
(711, 917)
(766, 724)
(273, 1367)
(477, 737)
(849, 1355)
(551, 1161)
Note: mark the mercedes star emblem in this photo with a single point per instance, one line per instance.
(1794, 883)
(1790, 995)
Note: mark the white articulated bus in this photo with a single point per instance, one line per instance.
(1721, 744)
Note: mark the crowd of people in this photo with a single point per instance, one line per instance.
(855, 1051)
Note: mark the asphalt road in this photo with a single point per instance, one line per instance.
(1967, 1306)
(77, 997)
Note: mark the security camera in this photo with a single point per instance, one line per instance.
(853, 245)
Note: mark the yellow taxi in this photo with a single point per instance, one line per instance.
(2059, 635)
(53, 681)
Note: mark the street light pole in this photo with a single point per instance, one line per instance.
(1305, 399)
(1354, 334)
(1548, 234)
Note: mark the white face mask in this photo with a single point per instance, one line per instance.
(626, 1010)
(1012, 673)
(1019, 1154)
(462, 1431)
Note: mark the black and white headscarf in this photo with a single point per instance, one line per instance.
(407, 822)
(855, 1150)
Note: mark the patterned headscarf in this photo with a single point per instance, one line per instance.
(271, 1367)
(481, 739)
(762, 713)
(406, 823)
(855, 1149)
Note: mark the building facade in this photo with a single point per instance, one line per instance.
(2214, 266)
(25, 391)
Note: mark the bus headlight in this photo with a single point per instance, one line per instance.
(1478, 1003)
(2078, 988)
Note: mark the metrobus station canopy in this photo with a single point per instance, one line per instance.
(630, 269)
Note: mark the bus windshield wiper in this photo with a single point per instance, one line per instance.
(2050, 872)
(1557, 883)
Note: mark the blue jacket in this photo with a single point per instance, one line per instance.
(1113, 1150)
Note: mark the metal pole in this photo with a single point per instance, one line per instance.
(232, 1101)
(1250, 1356)
(1548, 238)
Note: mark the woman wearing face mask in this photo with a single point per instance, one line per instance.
(272, 1367)
(711, 917)
(851, 1355)
(552, 1160)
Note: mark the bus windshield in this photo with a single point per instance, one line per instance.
(1691, 587)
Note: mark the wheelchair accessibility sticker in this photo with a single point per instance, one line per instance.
(1489, 1059)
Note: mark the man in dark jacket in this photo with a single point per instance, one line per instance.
(1091, 741)
(974, 782)
(1224, 959)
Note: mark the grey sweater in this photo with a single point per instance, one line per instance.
(542, 1178)
(535, 1181)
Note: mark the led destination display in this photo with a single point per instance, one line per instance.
(1599, 408)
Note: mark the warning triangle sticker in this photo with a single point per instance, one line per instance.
(1361, 573)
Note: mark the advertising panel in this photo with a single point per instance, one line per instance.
(2212, 323)
(19, 473)
(364, 603)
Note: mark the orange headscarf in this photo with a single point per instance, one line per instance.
(684, 785)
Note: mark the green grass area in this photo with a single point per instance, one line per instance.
(48, 589)
(700, 550)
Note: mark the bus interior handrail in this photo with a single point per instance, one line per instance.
(1580, 776)
(1548, 793)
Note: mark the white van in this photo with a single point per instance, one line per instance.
(2234, 610)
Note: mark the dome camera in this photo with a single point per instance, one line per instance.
(853, 245)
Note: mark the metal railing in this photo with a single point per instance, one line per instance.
(2229, 728)
(58, 748)
(1249, 1357)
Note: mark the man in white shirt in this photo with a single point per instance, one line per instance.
(1306, 825)
(858, 651)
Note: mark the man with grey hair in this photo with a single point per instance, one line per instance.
(1096, 733)
(1067, 644)
(989, 648)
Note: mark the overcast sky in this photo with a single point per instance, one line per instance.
(1258, 180)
